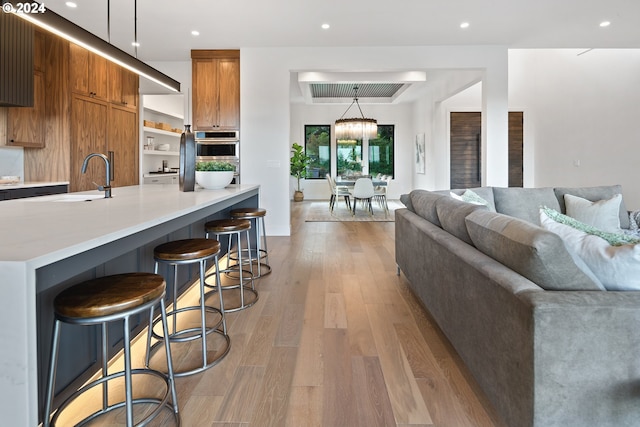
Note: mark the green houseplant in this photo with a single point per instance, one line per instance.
(298, 165)
(214, 175)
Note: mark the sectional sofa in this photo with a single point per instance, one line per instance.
(546, 342)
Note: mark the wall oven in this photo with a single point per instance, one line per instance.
(219, 145)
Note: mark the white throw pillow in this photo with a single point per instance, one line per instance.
(617, 267)
(470, 196)
(603, 214)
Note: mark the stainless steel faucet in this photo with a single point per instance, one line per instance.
(107, 166)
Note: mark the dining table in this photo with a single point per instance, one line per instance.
(350, 182)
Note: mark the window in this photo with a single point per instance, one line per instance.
(317, 145)
(351, 155)
(381, 152)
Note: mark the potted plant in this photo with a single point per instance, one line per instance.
(299, 163)
(214, 175)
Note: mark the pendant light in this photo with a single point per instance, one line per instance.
(358, 127)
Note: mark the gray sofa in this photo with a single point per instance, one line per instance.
(546, 344)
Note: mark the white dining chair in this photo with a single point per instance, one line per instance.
(337, 192)
(380, 195)
(363, 190)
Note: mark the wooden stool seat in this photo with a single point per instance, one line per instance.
(220, 226)
(109, 295)
(246, 213)
(120, 298)
(187, 249)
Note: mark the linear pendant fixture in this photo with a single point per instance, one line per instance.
(357, 127)
(66, 29)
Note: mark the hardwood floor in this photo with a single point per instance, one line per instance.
(336, 339)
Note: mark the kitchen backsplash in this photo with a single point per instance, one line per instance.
(12, 161)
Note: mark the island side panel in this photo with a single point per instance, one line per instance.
(80, 348)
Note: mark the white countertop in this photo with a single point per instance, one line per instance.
(29, 184)
(42, 230)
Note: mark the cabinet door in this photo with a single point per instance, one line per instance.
(123, 141)
(229, 93)
(26, 125)
(123, 86)
(205, 96)
(88, 135)
(89, 73)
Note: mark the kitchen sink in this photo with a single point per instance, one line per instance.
(77, 197)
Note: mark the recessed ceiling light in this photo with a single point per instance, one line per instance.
(71, 4)
(195, 33)
(464, 25)
(136, 44)
(326, 26)
(605, 23)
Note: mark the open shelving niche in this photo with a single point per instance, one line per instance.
(165, 109)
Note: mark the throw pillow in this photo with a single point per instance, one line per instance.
(531, 251)
(614, 239)
(470, 196)
(617, 267)
(602, 214)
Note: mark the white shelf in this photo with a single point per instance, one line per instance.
(161, 132)
(158, 175)
(161, 153)
(164, 113)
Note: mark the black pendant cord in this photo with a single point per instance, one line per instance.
(109, 21)
(355, 101)
(135, 26)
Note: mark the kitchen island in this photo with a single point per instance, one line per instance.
(52, 242)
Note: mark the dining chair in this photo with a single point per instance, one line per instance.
(337, 192)
(363, 190)
(380, 195)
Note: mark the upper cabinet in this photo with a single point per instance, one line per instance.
(123, 86)
(26, 125)
(88, 72)
(216, 89)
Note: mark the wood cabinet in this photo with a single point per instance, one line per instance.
(123, 141)
(26, 125)
(88, 135)
(216, 89)
(98, 127)
(123, 86)
(88, 73)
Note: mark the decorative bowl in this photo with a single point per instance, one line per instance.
(214, 180)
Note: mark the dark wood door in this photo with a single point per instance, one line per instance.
(466, 161)
(466, 149)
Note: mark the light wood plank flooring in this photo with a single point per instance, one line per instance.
(336, 339)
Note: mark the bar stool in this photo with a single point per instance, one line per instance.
(231, 227)
(99, 302)
(257, 215)
(190, 251)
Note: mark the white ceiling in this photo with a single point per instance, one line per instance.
(164, 27)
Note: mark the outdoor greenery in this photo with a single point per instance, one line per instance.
(317, 147)
(299, 163)
(381, 152)
(214, 166)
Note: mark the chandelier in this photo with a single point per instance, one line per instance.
(356, 128)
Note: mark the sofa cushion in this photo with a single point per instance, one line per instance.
(593, 194)
(617, 267)
(524, 203)
(405, 199)
(424, 204)
(602, 214)
(533, 252)
(452, 212)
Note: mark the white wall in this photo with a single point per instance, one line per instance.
(265, 102)
(581, 116)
